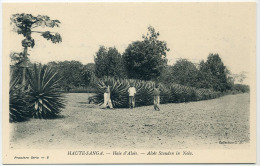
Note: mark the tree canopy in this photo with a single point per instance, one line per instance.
(147, 58)
(109, 62)
(74, 73)
(184, 72)
(24, 23)
(214, 74)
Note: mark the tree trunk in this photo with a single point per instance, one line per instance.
(24, 68)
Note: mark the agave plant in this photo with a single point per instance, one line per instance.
(165, 94)
(177, 95)
(174, 93)
(44, 98)
(18, 110)
(118, 91)
(144, 92)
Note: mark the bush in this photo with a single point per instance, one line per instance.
(241, 88)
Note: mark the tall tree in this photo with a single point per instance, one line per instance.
(215, 73)
(146, 59)
(90, 67)
(109, 62)
(24, 24)
(70, 72)
(88, 74)
(184, 72)
(16, 62)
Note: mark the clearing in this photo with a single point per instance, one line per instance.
(204, 124)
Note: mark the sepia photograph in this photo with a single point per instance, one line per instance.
(140, 82)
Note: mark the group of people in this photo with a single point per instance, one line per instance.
(132, 93)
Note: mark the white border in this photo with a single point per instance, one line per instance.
(24, 1)
(71, 1)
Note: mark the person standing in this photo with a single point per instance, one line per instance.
(156, 98)
(131, 92)
(107, 99)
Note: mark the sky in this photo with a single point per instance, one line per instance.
(191, 30)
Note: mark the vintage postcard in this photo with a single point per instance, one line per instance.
(117, 82)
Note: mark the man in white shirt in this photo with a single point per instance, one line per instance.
(131, 92)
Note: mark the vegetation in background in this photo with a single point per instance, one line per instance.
(109, 62)
(211, 74)
(146, 59)
(71, 72)
(183, 72)
(214, 74)
(238, 88)
(74, 75)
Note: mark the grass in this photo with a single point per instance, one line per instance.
(193, 125)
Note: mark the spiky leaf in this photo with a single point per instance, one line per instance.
(18, 110)
(45, 99)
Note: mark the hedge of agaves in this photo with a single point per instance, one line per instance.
(173, 93)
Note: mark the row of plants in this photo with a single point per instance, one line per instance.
(81, 89)
(39, 98)
(172, 93)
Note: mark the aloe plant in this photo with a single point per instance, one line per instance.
(173, 93)
(118, 91)
(18, 110)
(144, 92)
(45, 101)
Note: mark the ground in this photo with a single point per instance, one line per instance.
(218, 123)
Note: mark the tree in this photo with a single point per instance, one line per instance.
(69, 71)
(166, 76)
(184, 72)
(16, 62)
(146, 59)
(23, 25)
(239, 78)
(109, 62)
(214, 74)
(90, 67)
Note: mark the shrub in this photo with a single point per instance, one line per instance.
(241, 88)
(18, 110)
(45, 101)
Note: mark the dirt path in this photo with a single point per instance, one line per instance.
(203, 124)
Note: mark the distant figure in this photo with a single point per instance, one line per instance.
(131, 92)
(107, 99)
(156, 98)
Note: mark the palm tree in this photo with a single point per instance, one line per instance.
(24, 24)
